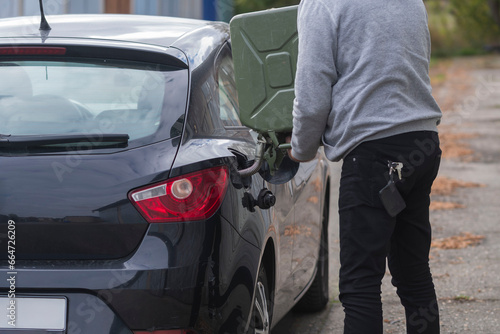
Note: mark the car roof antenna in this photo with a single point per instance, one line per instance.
(44, 25)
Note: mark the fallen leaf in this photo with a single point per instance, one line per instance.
(453, 146)
(463, 240)
(313, 199)
(445, 186)
(437, 205)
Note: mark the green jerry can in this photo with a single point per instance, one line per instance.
(265, 49)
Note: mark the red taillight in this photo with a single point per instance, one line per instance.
(194, 196)
(32, 51)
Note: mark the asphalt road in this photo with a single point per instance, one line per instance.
(467, 279)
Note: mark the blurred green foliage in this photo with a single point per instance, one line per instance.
(462, 27)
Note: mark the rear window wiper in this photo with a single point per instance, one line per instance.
(81, 141)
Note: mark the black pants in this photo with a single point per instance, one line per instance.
(369, 236)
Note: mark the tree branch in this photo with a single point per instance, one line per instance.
(495, 10)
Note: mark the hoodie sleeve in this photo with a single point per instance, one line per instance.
(316, 75)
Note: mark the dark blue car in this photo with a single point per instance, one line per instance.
(123, 208)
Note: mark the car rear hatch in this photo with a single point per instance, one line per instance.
(81, 126)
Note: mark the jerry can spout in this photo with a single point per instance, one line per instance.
(259, 160)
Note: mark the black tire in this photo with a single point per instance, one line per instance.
(262, 309)
(316, 298)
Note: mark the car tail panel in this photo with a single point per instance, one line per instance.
(76, 206)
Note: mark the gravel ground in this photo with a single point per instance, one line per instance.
(467, 279)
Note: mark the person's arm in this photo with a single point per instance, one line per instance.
(316, 75)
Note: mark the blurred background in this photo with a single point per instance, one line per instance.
(458, 27)
(215, 10)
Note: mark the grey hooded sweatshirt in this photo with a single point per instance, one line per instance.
(362, 74)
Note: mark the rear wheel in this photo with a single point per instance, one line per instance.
(261, 318)
(316, 298)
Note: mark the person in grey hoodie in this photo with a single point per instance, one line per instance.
(363, 91)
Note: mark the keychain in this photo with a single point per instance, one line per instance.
(389, 195)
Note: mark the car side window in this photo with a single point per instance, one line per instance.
(228, 95)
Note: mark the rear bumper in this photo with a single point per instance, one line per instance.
(181, 276)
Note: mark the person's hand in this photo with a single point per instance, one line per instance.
(289, 140)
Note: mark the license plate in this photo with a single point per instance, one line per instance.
(33, 313)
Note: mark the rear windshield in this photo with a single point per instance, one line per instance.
(91, 96)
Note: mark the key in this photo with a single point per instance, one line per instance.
(395, 167)
(399, 168)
